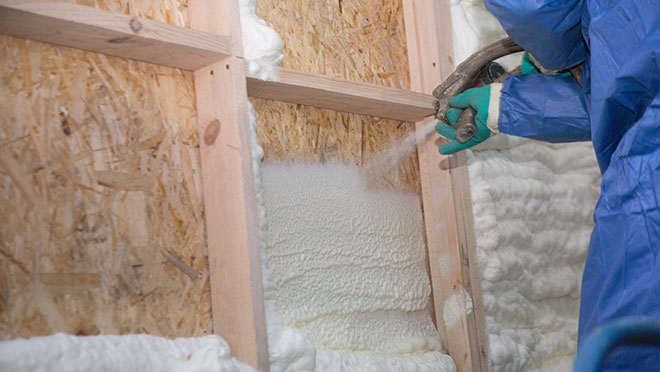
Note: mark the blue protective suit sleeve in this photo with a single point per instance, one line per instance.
(626, 88)
(549, 29)
(544, 107)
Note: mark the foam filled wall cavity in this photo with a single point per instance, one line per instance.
(347, 269)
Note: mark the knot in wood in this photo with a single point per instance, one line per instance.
(211, 132)
(135, 24)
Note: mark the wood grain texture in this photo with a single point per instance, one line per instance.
(446, 194)
(343, 95)
(100, 163)
(237, 297)
(120, 35)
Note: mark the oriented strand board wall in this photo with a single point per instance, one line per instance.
(352, 39)
(101, 211)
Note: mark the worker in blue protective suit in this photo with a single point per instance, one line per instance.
(617, 107)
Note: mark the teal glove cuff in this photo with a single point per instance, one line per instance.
(529, 65)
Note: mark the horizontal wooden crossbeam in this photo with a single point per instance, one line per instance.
(119, 35)
(343, 95)
(95, 30)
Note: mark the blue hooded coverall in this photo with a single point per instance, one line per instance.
(618, 109)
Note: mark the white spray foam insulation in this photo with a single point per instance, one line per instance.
(475, 27)
(533, 205)
(533, 208)
(143, 353)
(455, 307)
(348, 263)
(348, 270)
(262, 46)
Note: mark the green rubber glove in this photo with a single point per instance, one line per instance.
(529, 66)
(479, 100)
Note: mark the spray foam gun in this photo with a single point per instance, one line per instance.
(479, 69)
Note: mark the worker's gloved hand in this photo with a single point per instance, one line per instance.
(486, 102)
(529, 65)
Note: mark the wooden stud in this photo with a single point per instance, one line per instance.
(119, 35)
(343, 95)
(446, 194)
(237, 297)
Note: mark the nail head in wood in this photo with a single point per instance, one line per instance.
(211, 132)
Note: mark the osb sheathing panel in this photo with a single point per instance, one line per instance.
(101, 210)
(353, 39)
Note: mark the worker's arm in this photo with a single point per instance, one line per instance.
(544, 107)
(549, 29)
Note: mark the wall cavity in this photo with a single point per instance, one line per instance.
(347, 266)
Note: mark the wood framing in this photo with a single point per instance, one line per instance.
(212, 48)
(119, 35)
(95, 30)
(446, 194)
(237, 298)
(343, 95)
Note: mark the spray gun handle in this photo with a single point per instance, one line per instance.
(465, 126)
